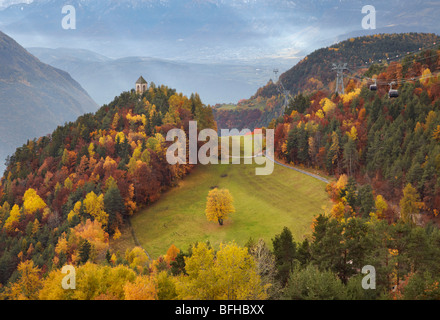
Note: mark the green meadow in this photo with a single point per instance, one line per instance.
(264, 206)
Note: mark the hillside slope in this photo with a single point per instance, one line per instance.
(315, 72)
(390, 145)
(92, 174)
(36, 97)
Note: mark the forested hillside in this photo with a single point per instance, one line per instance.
(63, 195)
(390, 145)
(315, 72)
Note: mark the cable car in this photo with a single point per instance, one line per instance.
(393, 93)
(373, 87)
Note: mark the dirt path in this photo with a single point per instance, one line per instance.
(299, 170)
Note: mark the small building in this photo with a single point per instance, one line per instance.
(141, 85)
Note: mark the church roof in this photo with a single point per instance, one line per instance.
(141, 80)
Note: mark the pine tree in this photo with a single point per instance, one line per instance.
(351, 192)
(113, 205)
(366, 200)
(351, 156)
(285, 252)
(84, 251)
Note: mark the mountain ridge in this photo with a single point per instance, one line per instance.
(314, 73)
(37, 97)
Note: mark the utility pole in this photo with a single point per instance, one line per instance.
(340, 68)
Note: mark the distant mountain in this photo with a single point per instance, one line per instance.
(35, 97)
(104, 78)
(315, 71)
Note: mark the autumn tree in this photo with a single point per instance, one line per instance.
(28, 284)
(94, 234)
(143, 288)
(12, 220)
(166, 286)
(381, 206)
(219, 205)
(171, 254)
(333, 152)
(410, 204)
(94, 206)
(92, 282)
(137, 258)
(32, 202)
(229, 274)
(237, 274)
(200, 283)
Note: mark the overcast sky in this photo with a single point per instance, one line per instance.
(210, 30)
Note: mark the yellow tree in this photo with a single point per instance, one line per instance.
(115, 121)
(75, 211)
(137, 259)
(93, 281)
(237, 276)
(94, 206)
(143, 288)
(91, 150)
(201, 281)
(338, 211)
(353, 134)
(219, 205)
(52, 288)
(14, 217)
(436, 134)
(230, 274)
(29, 283)
(166, 286)
(410, 204)
(32, 202)
(381, 206)
(327, 105)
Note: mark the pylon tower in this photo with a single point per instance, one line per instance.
(340, 68)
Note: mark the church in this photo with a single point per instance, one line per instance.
(141, 85)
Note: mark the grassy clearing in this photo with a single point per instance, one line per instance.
(264, 205)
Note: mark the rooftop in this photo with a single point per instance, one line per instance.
(141, 80)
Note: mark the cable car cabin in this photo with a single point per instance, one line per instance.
(393, 93)
(373, 87)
